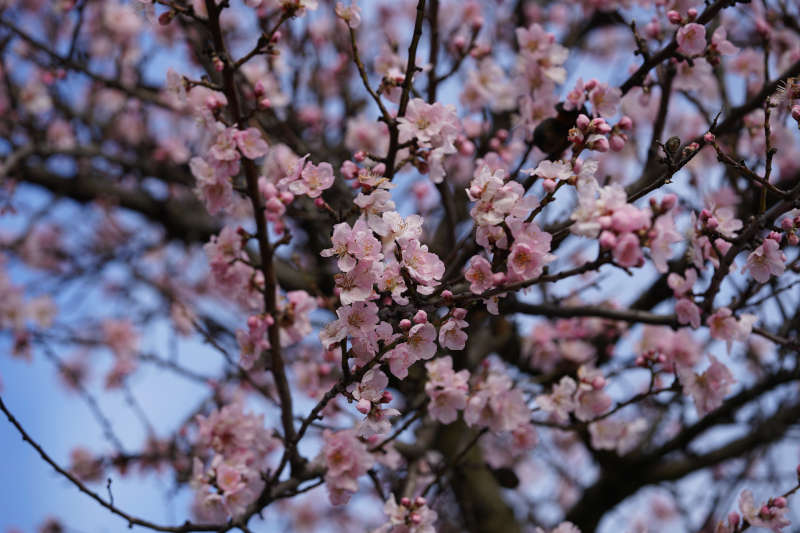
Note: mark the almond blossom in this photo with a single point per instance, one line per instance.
(708, 389)
(766, 261)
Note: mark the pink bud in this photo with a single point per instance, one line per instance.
(405, 502)
(582, 121)
(709, 137)
(712, 223)
(617, 143)
(786, 224)
(264, 103)
(625, 123)
(591, 84)
(405, 324)
(796, 112)
(669, 201)
(764, 511)
(673, 16)
(274, 205)
(219, 66)
(319, 202)
(415, 518)
(494, 144)
(466, 148)
(258, 89)
(693, 147)
(459, 42)
(459, 313)
(600, 145)
(704, 214)
(386, 397)
(733, 518)
(475, 191)
(549, 185)
(287, 197)
(793, 239)
(420, 501)
(692, 12)
(653, 29)
(779, 502)
(502, 134)
(276, 36)
(498, 278)
(639, 361)
(598, 382)
(607, 240)
(360, 156)
(364, 405)
(447, 295)
(420, 317)
(774, 235)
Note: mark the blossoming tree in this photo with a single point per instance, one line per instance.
(435, 265)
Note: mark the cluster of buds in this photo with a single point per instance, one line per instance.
(665, 204)
(598, 135)
(413, 518)
(365, 406)
(790, 226)
(675, 17)
(590, 133)
(650, 358)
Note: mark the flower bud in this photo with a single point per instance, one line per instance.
(673, 16)
(405, 324)
(420, 317)
(364, 405)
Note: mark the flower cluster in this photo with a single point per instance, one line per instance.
(346, 459)
(446, 389)
(239, 446)
(622, 227)
(435, 128)
(408, 517)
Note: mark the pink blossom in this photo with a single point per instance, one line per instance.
(421, 340)
(627, 252)
(620, 435)
(766, 261)
(479, 274)
(253, 341)
(724, 326)
(424, 267)
(720, 42)
(391, 280)
(356, 285)
(708, 389)
(446, 389)
(215, 188)
(347, 459)
(250, 142)
(766, 516)
(687, 312)
(312, 180)
(682, 285)
(224, 149)
(605, 100)
(665, 235)
(350, 14)
(561, 400)
(592, 400)
(691, 39)
(496, 404)
(452, 335)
